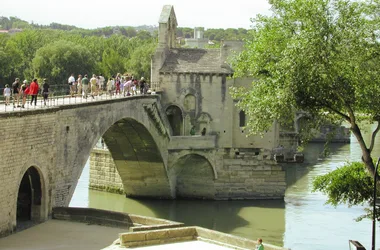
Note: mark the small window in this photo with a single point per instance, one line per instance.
(242, 119)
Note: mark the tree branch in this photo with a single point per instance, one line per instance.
(373, 137)
(346, 117)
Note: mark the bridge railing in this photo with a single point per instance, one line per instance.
(60, 95)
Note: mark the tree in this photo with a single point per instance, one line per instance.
(56, 61)
(316, 56)
(350, 184)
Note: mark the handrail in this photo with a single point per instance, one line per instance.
(59, 99)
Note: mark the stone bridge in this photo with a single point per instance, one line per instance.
(43, 153)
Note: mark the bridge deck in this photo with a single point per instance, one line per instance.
(60, 101)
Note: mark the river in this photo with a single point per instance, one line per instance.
(301, 221)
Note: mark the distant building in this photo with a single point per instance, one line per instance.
(198, 41)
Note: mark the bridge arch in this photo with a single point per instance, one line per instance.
(193, 176)
(137, 159)
(135, 132)
(31, 206)
(175, 116)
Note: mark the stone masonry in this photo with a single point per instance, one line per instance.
(103, 173)
(57, 143)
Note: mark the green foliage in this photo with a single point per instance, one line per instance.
(318, 56)
(55, 54)
(351, 185)
(56, 60)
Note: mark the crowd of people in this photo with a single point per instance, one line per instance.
(20, 92)
(125, 85)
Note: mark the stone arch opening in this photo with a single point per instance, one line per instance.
(138, 160)
(242, 118)
(175, 117)
(189, 103)
(193, 176)
(30, 199)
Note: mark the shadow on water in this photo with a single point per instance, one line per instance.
(246, 218)
(314, 154)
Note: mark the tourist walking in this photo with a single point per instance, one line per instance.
(33, 91)
(7, 94)
(71, 82)
(45, 91)
(110, 86)
(102, 82)
(135, 83)
(142, 85)
(24, 92)
(16, 90)
(117, 83)
(85, 82)
(79, 85)
(93, 84)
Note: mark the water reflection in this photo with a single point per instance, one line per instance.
(249, 219)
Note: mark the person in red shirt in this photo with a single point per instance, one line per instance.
(33, 91)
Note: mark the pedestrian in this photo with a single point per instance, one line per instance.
(142, 85)
(79, 85)
(110, 86)
(7, 94)
(102, 82)
(71, 82)
(24, 92)
(45, 91)
(33, 91)
(203, 132)
(93, 86)
(135, 83)
(16, 90)
(192, 130)
(259, 245)
(85, 86)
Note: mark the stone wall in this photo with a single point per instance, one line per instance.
(250, 175)
(103, 172)
(55, 143)
(26, 141)
(205, 174)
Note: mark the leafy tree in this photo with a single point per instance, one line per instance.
(351, 185)
(56, 61)
(139, 63)
(112, 63)
(316, 56)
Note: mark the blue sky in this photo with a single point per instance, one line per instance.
(101, 13)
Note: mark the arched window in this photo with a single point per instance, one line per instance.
(189, 102)
(241, 118)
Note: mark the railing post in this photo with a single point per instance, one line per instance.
(374, 206)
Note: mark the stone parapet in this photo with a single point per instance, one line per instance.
(192, 142)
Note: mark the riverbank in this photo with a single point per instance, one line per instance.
(61, 235)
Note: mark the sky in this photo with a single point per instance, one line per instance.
(93, 14)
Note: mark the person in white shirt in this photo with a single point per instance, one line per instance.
(94, 86)
(71, 82)
(7, 94)
(101, 82)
